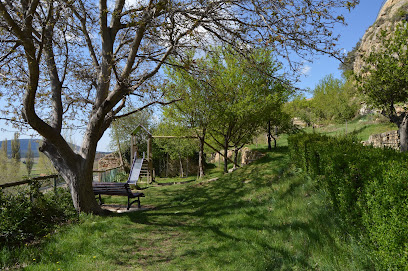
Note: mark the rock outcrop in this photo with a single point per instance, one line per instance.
(392, 12)
(248, 156)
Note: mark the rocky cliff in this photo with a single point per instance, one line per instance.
(392, 12)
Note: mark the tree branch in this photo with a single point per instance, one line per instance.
(145, 106)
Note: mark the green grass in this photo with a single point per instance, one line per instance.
(265, 216)
(362, 127)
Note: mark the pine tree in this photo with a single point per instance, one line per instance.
(15, 150)
(4, 147)
(29, 159)
(3, 162)
(3, 155)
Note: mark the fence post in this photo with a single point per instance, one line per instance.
(31, 192)
(55, 184)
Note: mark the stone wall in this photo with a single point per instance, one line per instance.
(109, 161)
(248, 156)
(387, 139)
(216, 157)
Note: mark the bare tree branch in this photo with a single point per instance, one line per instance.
(146, 106)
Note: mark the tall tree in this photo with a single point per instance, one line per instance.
(4, 146)
(15, 152)
(244, 92)
(193, 111)
(230, 96)
(383, 79)
(334, 100)
(279, 122)
(300, 107)
(86, 59)
(3, 161)
(15, 147)
(29, 162)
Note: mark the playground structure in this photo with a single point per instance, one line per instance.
(146, 166)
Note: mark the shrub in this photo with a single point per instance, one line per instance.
(367, 187)
(386, 216)
(28, 213)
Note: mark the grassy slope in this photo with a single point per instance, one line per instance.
(260, 217)
(363, 127)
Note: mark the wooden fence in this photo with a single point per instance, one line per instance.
(30, 180)
(54, 184)
(102, 176)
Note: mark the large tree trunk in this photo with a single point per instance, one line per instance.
(201, 156)
(226, 154)
(269, 135)
(274, 141)
(403, 133)
(181, 167)
(78, 174)
(80, 185)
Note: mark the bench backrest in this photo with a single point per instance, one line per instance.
(111, 188)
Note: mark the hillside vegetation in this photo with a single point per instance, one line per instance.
(366, 187)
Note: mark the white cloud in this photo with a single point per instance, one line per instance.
(136, 3)
(306, 70)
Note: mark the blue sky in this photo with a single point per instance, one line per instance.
(358, 20)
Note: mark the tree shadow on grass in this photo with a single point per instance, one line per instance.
(228, 215)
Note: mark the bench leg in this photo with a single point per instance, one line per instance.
(130, 203)
(100, 199)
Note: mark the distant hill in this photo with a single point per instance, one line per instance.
(34, 147)
(24, 147)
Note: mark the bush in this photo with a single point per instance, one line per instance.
(386, 216)
(28, 214)
(367, 187)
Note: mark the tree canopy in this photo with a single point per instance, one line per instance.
(229, 97)
(334, 100)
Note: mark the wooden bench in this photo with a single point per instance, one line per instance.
(116, 189)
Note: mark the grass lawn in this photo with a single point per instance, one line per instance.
(265, 216)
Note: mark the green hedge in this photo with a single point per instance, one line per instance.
(368, 187)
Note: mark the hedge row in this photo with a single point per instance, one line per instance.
(368, 187)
